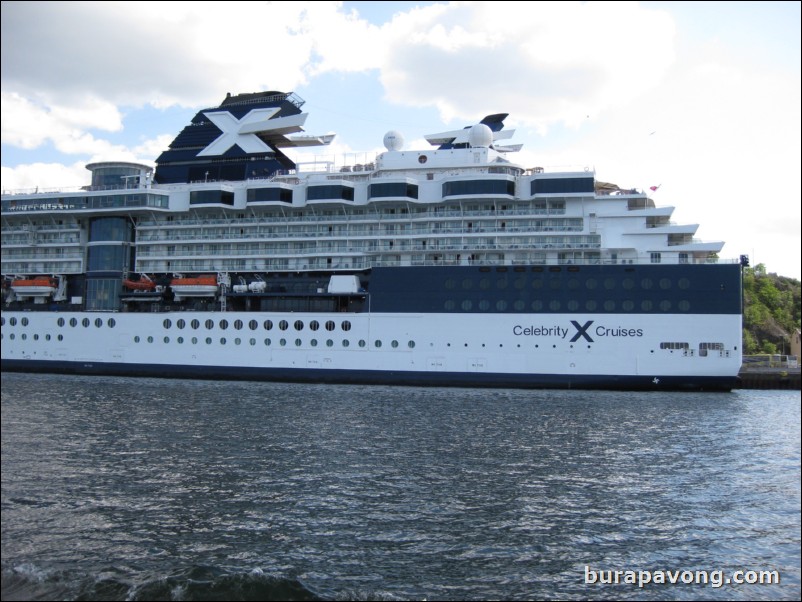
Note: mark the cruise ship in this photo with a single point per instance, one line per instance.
(451, 265)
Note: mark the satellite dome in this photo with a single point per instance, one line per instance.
(393, 141)
(480, 135)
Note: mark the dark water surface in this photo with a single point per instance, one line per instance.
(145, 489)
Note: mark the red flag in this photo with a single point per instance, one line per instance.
(654, 188)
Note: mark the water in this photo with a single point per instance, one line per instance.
(141, 489)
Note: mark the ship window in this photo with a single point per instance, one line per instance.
(537, 305)
(467, 305)
(259, 195)
(591, 305)
(646, 305)
(314, 325)
(665, 305)
(136, 339)
(180, 324)
(329, 343)
(474, 187)
(252, 342)
(194, 340)
(180, 340)
(561, 185)
(377, 343)
(167, 324)
(467, 284)
(591, 283)
(268, 326)
(253, 325)
(204, 197)
(393, 189)
(73, 322)
(411, 344)
(609, 305)
(362, 342)
(166, 339)
(573, 305)
(150, 339)
(646, 284)
(346, 325)
(267, 342)
(684, 283)
(209, 324)
(299, 325)
(24, 321)
(297, 342)
(554, 305)
(628, 284)
(684, 305)
(237, 324)
(85, 322)
(484, 305)
(330, 325)
(484, 283)
(609, 283)
(665, 283)
(60, 321)
(223, 324)
(283, 325)
(346, 342)
(313, 342)
(98, 322)
(337, 192)
(60, 337)
(222, 340)
(195, 324)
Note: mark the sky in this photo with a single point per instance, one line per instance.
(699, 98)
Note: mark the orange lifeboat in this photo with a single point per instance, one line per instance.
(198, 286)
(38, 286)
(143, 284)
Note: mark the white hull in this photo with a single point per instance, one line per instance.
(500, 344)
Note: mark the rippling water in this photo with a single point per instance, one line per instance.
(141, 489)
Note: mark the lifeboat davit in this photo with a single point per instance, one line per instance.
(39, 286)
(199, 286)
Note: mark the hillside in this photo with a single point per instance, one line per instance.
(771, 311)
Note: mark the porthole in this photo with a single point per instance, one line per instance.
(167, 324)
(268, 325)
(519, 305)
(313, 342)
(555, 284)
(537, 305)
(684, 283)
(150, 339)
(628, 284)
(346, 325)
(24, 321)
(136, 339)
(267, 342)
(238, 324)
(665, 283)
(411, 344)
(628, 305)
(282, 342)
(573, 305)
(573, 284)
(297, 342)
(484, 284)
(362, 342)
(166, 339)
(194, 340)
(222, 340)
(394, 344)
(467, 284)
(591, 283)
(609, 305)
(314, 325)
(195, 324)
(450, 305)
(299, 325)
(223, 324)
(451, 283)
(208, 340)
(85, 322)
(238, 341)
(330, 325)
(283, 325)
(329, 343)
(60, 337)
(501, 305)
(684, 305)
(484, 305)
(252, 342)
(609, 283)
(209, 324)
(501, 283)
(180, 340)
(591, 305)
(73, 322)
(346, 342)
(180, 324)
(665, 305)
(467, 305)
(98, 322)
(377, 343)
(646, 305)
(253, 325)
(554, 305)
(646, 284)
(60, 322)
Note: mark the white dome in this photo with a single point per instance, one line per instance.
(393, 141)
(480, 135)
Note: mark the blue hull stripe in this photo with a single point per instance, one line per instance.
(441, 379)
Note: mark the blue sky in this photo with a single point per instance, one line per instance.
(701, 98)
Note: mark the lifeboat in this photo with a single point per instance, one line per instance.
(38, 286)
(143, 284)
(199, 286)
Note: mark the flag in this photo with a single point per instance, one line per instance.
(654, 188)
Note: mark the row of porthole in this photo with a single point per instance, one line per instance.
(268, 342)
(298, 325)
(35, 337)
(555, 305)
(572, 283)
